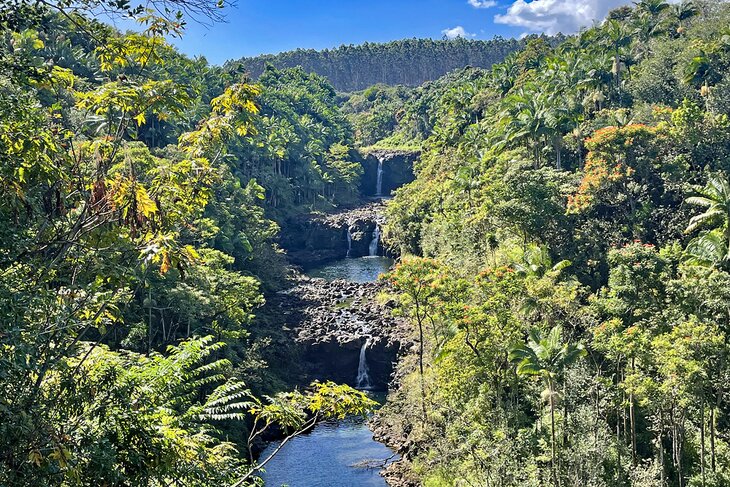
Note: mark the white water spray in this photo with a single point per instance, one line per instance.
(379, 181)
(363, 377)
(373, 249)
(349, 241)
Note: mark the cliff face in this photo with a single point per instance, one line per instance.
(312, 240)
(397, 167)
(330, 322)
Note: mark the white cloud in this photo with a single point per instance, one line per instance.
(455, 32)
(482, 3)
(553, 16)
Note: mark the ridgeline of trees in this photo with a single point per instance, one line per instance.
(408, 62)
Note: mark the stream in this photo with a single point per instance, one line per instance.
(335, 453)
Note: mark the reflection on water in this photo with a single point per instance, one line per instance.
(362, 269)
(337, 453)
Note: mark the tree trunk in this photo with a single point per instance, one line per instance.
(565, 412)
(702, 439)
(712, 438)
(552, 433)
(618, 447)
(661, 446)
(149, 323)
(558, 157)
(632, 419)
(419, 320)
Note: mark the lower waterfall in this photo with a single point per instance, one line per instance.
(363, 378)
(373, 249)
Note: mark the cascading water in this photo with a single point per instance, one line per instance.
(379, 181)
(349, 241)
(363, 377)
(373, 249)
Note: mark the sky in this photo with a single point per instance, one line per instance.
(255, 27)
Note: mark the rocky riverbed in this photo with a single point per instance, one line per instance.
(331, 320)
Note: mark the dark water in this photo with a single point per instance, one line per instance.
(334, 454)
(361, 269)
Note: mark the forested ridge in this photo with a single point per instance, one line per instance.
(562, 257)
(408, 62)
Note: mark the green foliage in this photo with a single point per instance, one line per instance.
(302, 152)
(555, 203)
(129, 225)
(124, 419)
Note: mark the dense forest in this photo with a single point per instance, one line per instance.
(565, 259)
(562, 256)
(140, 192)
(408, 62)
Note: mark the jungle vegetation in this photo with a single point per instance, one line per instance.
(564, 259)
(564, 251)
(139, 197)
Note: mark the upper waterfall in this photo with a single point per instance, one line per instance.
(379, 180)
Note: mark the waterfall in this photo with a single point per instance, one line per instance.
(349, 241)
(373, 250)
(363, 379)
(379, 182)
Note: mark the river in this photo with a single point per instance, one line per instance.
(334, 453)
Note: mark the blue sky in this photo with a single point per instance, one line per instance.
(265, 26)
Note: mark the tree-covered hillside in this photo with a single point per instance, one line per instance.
(408, 62)
(560, 301)
(139, 197)
(565, 262)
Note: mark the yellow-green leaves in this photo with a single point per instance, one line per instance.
(139, 50)
(338, 401)
(125, 98)
(232, 114)
(131, 199)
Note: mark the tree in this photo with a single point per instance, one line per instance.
(416, 282)
(682, 12)
(298, 413)
(617, 39)
(547, 358)
(714, 246)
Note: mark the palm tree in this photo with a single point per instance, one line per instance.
(683, 11)
(701, 70)
(546, 357)
(618, 37)
(524, 119)
(714, 246)
(536, 262)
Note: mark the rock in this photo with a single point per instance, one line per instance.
(397, 170)
(331, 335)
(315, 239)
